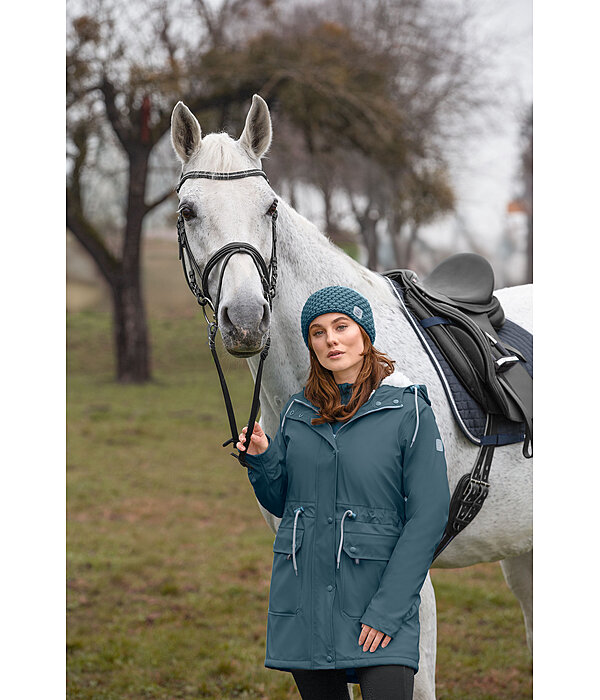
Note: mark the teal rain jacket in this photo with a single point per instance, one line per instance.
(362, 511)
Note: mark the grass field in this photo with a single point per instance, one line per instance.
(169, 559)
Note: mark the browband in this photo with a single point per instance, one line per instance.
(207, 175)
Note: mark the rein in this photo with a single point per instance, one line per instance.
(268, 277)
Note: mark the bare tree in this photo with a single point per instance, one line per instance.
(127, 65)
(440, 76)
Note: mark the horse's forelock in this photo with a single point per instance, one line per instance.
(220, 153)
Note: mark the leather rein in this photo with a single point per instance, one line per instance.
(192, 273)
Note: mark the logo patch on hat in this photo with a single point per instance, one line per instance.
(357, 311)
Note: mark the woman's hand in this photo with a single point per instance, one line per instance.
(370, 637)
(258, 441)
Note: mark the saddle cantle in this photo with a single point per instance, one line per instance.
(458, 319)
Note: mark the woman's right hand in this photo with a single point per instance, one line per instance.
(258, 442)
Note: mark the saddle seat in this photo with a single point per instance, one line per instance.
(464, 281)
(462, 278)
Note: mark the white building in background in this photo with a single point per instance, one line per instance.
(512, 249)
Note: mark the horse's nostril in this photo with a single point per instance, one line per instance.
(266, 319)
(225, 320)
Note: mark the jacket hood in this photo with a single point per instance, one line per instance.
(398, 380)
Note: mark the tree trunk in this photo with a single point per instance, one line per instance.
(130, 332)
(368, 226)
(414, 230)
(130, 327)
(395, 229)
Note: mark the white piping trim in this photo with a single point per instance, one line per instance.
(417, 412)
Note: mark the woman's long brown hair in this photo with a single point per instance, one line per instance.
(322, 389)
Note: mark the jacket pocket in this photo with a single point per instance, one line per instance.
(363, 562)
(285, 595)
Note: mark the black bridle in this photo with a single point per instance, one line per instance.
(268, 277)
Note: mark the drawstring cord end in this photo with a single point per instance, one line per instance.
(298, 510)
(352, 516)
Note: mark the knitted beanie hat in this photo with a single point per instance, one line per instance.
(342, 299)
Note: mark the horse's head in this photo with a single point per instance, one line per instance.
(217, 212)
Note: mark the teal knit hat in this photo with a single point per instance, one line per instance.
(342, 299)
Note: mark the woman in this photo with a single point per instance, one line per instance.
(357, 475)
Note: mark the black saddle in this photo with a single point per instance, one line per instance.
(456, 307)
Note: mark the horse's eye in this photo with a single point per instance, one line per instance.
(187, 213)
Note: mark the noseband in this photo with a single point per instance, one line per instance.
(268, 277)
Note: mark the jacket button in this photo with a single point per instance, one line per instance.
(329, 658)
(395, 400)
(329, 519)
(330, 587)
(353, 549)
(378, 403)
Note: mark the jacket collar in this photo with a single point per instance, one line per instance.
(397, 379)
(304, 410)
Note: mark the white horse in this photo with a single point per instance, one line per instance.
(221, 211)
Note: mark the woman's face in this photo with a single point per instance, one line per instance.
(338, 343)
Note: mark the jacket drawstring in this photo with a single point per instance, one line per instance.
(352, 515)
(298, 510)
(417, 412)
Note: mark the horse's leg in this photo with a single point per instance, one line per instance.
(425, 676)
(271, 520)
(518, 572)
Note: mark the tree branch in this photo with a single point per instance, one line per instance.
(109, 93)
(91, 240)
(158, 201)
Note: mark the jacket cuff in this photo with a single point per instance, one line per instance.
(385, 624)
(261, 460)
(376, 623)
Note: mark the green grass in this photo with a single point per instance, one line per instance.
(168, 557)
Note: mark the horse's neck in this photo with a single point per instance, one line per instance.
(306, 261)
(311, 261)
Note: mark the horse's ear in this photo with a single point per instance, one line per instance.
(256, 137)
(186, 134)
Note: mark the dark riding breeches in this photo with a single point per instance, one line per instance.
(376, 683)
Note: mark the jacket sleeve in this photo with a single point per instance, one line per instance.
(427, 501)
(267, 472)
